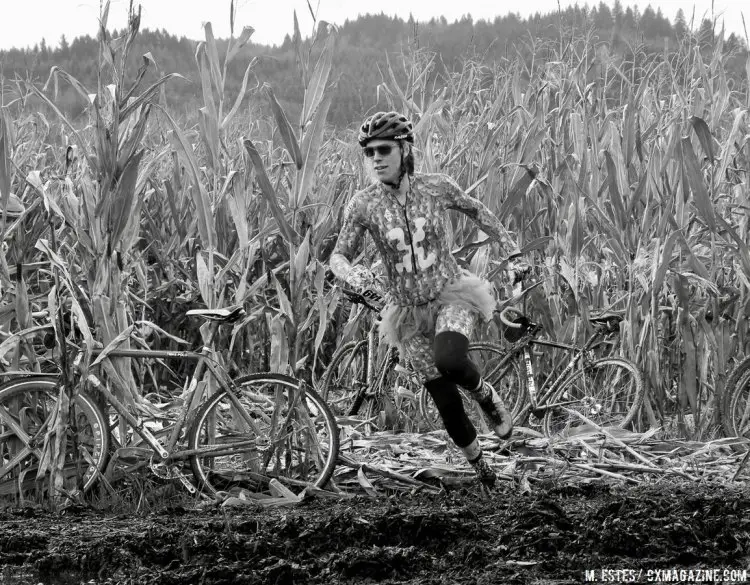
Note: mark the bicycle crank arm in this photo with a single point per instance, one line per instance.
(184, 480)
(164, 471)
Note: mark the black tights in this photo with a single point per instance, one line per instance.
(451, 350)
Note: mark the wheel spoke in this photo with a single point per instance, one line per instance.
(26, 408)
(291, 434)
(9, 421)
(606, 392)
(345, 379)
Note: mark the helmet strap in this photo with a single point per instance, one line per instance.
(402, 172)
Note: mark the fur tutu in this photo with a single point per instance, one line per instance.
(470, 291)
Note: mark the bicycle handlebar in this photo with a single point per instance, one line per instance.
(520, 273)
(607, 323)
(507, 322)
(364, 298)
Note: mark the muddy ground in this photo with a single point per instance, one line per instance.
(549, 536)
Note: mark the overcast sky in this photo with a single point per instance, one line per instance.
(23, 23)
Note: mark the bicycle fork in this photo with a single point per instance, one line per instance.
(531, 383)
(367, 384)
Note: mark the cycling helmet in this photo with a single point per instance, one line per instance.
(386, 126)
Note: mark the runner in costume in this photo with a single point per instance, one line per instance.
(432, 305)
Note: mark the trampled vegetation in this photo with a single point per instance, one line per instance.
(627, 180)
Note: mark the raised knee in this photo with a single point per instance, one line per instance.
(448, 363)
(451, 352)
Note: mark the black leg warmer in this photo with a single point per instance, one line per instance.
(452, 359)
(451, 409)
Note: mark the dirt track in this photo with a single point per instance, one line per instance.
(552, 535)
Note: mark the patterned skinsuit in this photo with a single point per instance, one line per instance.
(414, 242)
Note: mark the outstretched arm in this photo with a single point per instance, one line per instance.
(480, 214)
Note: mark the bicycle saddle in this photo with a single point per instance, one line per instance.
(223, 315)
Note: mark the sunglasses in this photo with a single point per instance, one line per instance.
(383, 150)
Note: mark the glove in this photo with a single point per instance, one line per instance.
(365, 282)
(518, 270)
(359, 277)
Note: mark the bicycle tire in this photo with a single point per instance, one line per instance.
(298, 447)
(509, 382)
(394, 399)
(26, 408)
(344, 378)
(588, 390)
(734, 418)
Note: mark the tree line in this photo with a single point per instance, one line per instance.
(371, 48)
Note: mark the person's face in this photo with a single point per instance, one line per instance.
(384, 156)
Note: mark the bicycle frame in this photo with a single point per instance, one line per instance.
(203, 360)
(376, 370)
(522, 347)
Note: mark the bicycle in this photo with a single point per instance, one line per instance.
(605, 391)
(252, 430)
(735, 404)
(357, 376)
(357, 373)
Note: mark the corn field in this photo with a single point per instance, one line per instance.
(628, 183)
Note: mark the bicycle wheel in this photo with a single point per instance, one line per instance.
(27, 410)
(608, 392)
(265, 429)
(344, 382)
(736, 404)
(394, 401)
(507, 379)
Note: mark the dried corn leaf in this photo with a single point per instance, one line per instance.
(285, 128)
(319, 80)
(366, 483)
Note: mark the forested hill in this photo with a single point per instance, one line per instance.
(365, 44)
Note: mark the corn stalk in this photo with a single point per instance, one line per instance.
(640, 198)
(100, 203)
(296, 313)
